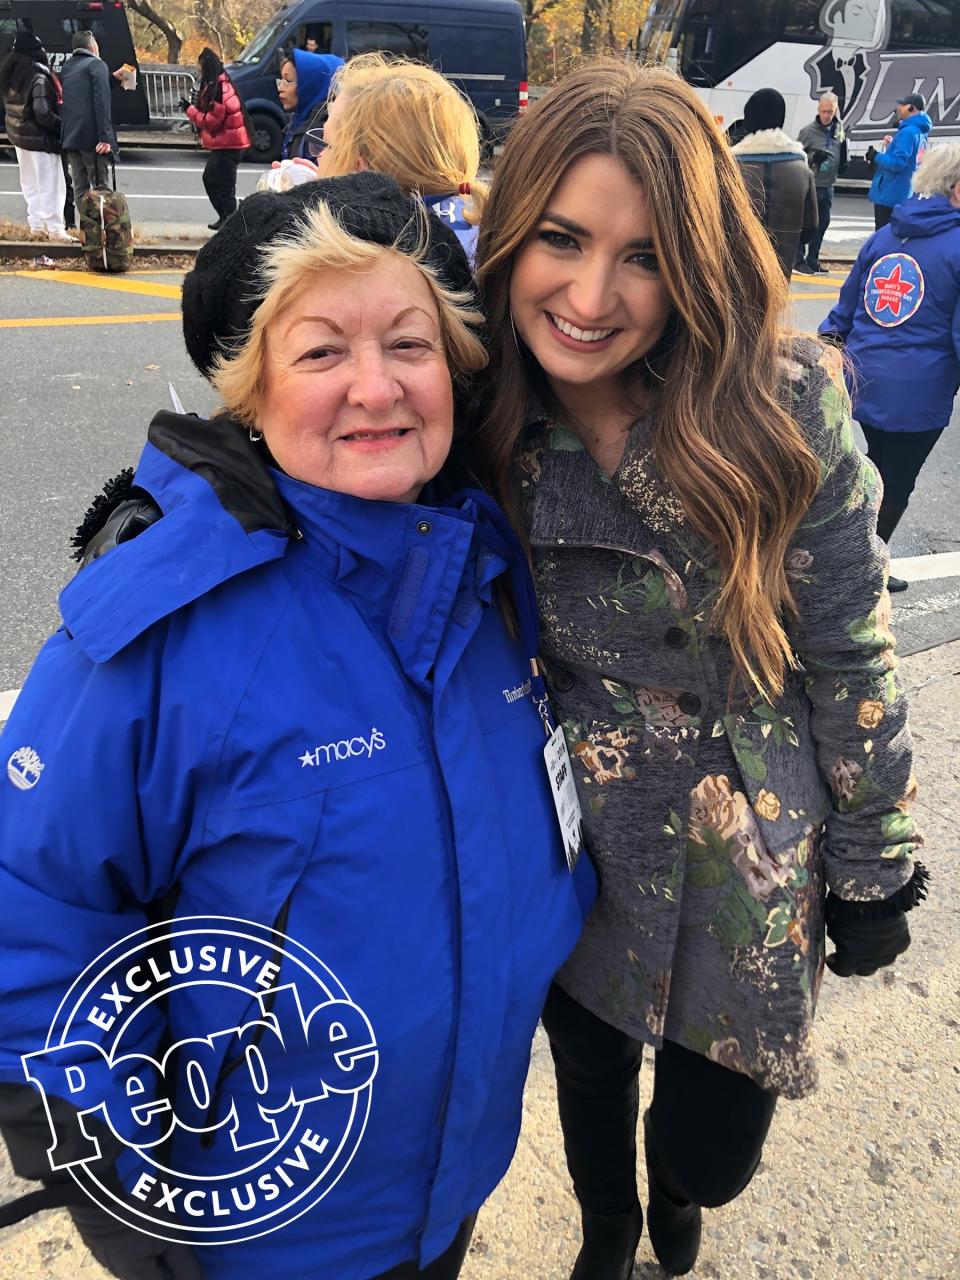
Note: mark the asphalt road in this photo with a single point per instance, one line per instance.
(87, 361)
(165, 189)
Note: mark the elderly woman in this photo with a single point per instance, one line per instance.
(291, 704)
(898, 317)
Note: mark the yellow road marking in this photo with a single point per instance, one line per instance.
(42, 322)
(91, 281)
(812, 297)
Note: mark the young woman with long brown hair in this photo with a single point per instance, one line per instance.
(715, 633)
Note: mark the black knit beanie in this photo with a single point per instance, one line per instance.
(764, 109)
(26, 42)
(225, 287)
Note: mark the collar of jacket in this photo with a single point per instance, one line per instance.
(222, 515)
(226, 512)
(768, 143)
(576, 505)
(410, 567)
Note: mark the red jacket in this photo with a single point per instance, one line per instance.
(222, 126)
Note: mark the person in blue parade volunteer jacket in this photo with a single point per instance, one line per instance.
(302, 87)
(292, 704)
(896, 162)
(898, 317)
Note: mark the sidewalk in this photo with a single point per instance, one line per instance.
(858, 1181)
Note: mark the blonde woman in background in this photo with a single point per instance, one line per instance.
(405, 119)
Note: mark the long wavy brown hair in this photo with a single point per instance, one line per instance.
(724, 438)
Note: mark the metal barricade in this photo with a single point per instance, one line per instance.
(164, 87)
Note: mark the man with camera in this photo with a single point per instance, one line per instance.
(826, 148)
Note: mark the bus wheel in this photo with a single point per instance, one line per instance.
(267, 140)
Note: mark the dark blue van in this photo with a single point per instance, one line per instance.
(478, 44)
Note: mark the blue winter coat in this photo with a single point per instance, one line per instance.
(315, 71)
(330, 731)
(899, 316)
(449, 209)
(893, 180)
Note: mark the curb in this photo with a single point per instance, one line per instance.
(54, 249)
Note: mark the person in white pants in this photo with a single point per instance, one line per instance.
(30, 95)
(45, 191)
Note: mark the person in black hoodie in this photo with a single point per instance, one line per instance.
(33, 126)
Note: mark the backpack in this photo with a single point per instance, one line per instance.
(106, 233)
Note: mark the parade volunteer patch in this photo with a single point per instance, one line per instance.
(894, 289)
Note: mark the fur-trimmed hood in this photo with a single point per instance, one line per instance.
(768, 142)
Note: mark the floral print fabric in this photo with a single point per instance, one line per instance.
(716, 827)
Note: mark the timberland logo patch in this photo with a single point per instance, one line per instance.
(24, 768)
(517, 692)
(237, 1128)
(345, 749)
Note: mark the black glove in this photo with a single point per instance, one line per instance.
(183, 104)
(119, 513)
(818, 158)
(863, 945)
(870, 155)
(128, 521)
(130, 1254)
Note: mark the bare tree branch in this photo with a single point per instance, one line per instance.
(173, 37)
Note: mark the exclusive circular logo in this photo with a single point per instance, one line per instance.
(894, 289)
(219, 1077)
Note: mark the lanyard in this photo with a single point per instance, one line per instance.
(503, 541)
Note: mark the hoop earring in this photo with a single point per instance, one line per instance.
(255, 436)
(652, 372)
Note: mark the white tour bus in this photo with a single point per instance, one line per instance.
(868, 52)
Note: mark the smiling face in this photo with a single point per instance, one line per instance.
(358, 396)
(585, 292)
(287, 86)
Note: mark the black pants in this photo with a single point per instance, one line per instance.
(898, 456)
(446, 1267)
(708, 1124)
(881, 215)
(220, 181)
(69, 208)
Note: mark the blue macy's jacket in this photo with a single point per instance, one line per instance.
(899, 317)
(292, 707)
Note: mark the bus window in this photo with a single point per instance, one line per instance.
(924, 24)
(719, 38)
(801, 22)
(407, 40)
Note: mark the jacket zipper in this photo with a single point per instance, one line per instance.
(426, 719)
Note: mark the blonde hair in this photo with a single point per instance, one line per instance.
(939, 170)
(724, 438)
(319, 243)
(406, 120)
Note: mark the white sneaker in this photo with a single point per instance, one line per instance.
(63, 236)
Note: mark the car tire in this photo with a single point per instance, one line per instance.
(267, 139)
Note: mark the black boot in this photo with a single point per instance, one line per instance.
(673, 1225)
(609, 1245)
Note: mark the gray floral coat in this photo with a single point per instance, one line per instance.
(715, 828)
